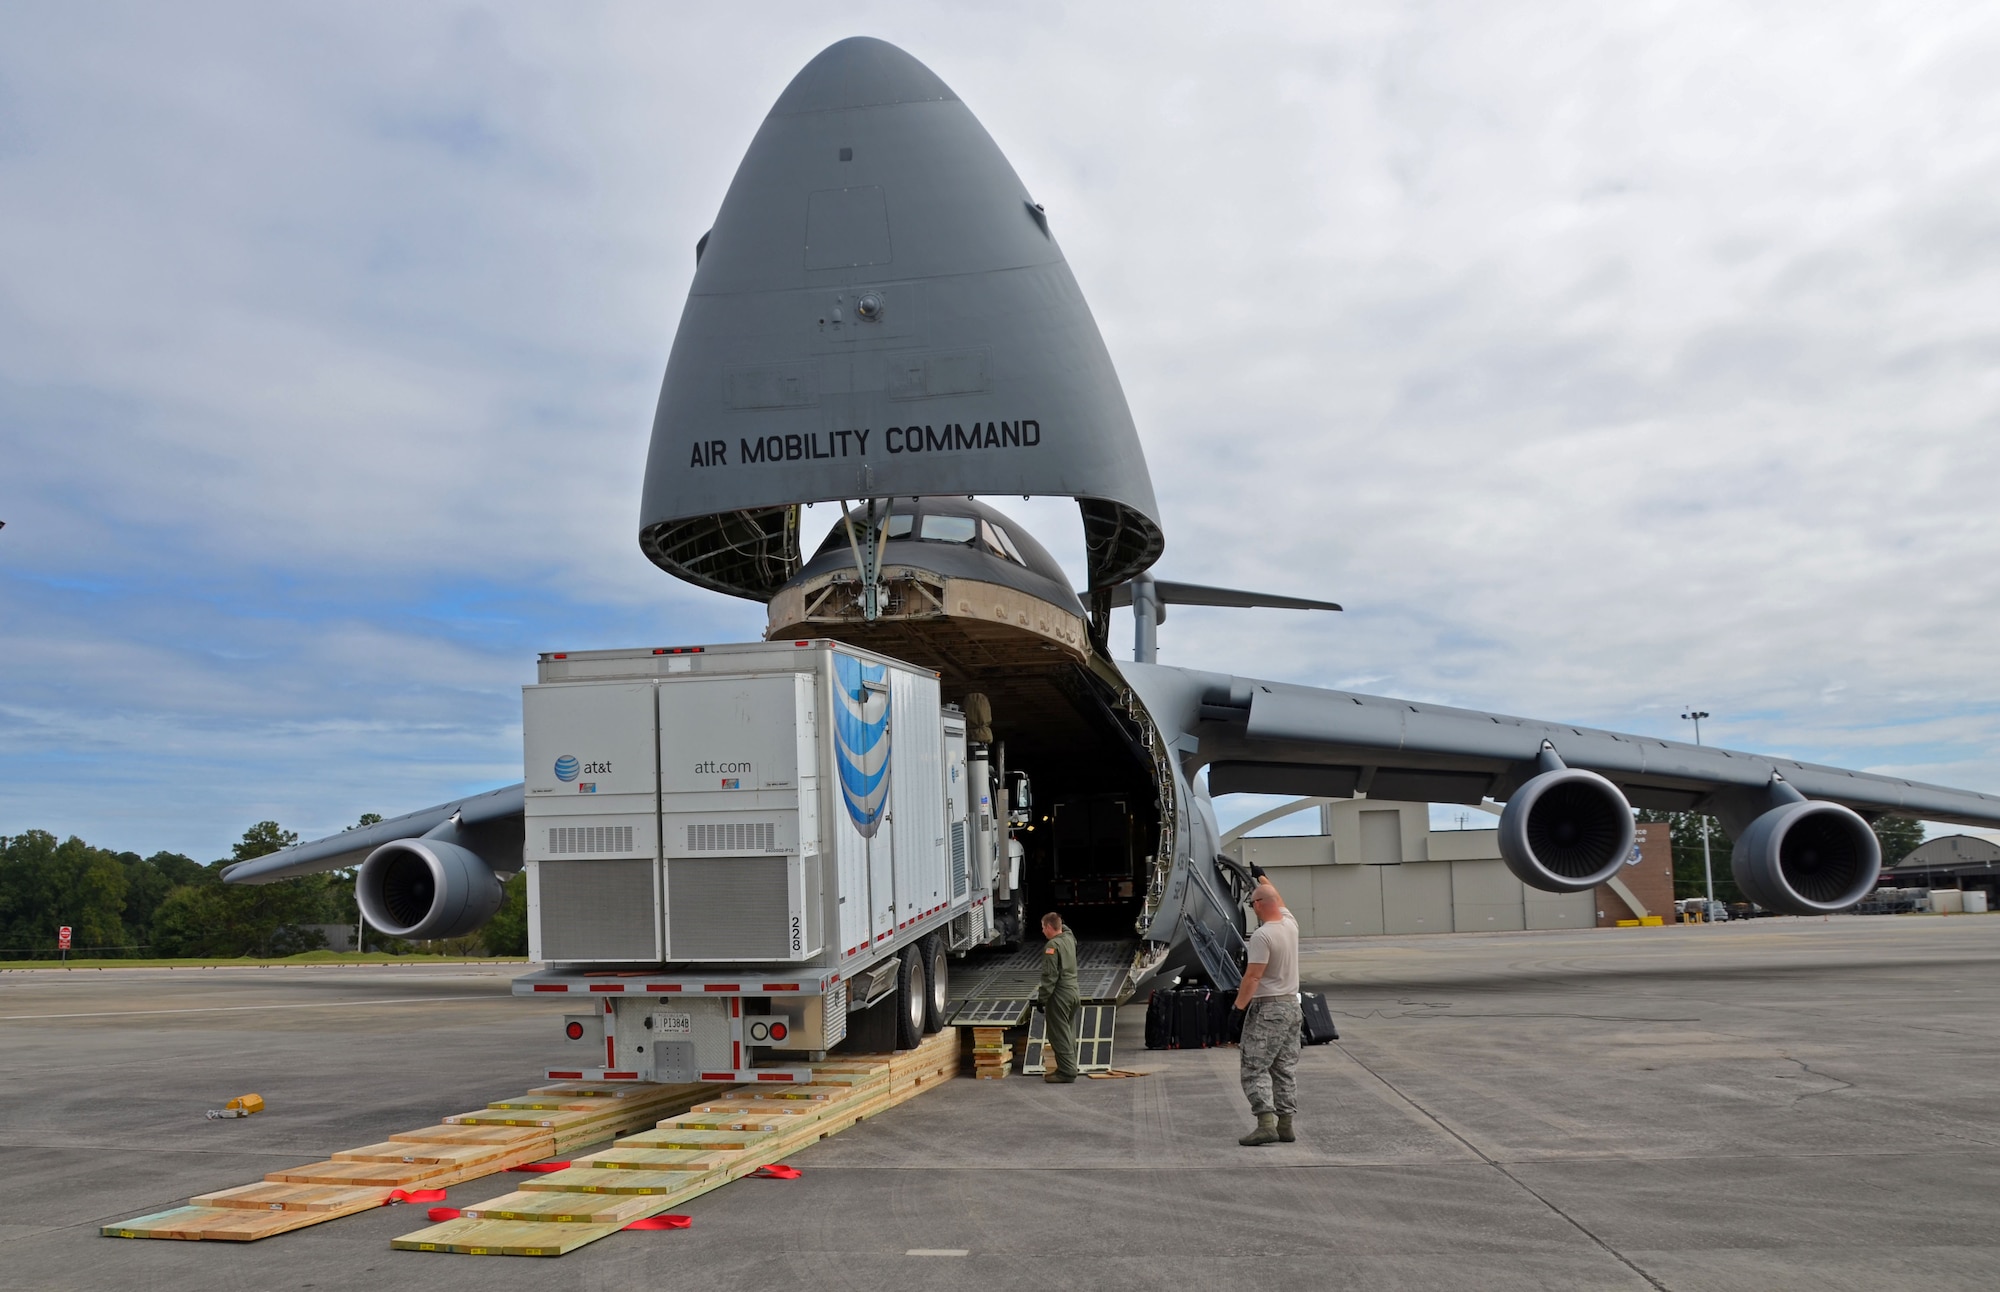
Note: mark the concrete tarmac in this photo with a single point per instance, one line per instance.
(1775, 1105)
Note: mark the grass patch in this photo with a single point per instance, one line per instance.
(303, 958)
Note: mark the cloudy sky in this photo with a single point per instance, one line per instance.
(1602, 359)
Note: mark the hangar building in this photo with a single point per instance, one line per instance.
(1949, 861)
(1378, 867)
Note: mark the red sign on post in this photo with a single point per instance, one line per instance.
(62, 938)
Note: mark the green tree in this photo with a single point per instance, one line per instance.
(1684, 828)
(45, 884)
(506, 934)
(177, 868)
(194, 920)
(1899, 836)
(262, 839)
(207, 917)
(149, 881)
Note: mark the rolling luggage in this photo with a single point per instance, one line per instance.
(1316, 1025)
(1225, 1021)
(1190, 1018)
(1160, 1019)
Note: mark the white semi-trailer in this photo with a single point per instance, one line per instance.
(729, 849)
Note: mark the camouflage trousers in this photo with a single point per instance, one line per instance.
(1269, 1052)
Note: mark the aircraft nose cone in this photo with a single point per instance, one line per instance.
(878, 272)
(860, 72)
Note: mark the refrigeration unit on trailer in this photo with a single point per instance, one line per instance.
(731, 848)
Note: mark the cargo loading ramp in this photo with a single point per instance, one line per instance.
(1103, 967)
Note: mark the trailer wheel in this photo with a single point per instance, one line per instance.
(910, 993)
(937, 981)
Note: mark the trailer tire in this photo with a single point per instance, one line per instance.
(910, 994)
(937, 983)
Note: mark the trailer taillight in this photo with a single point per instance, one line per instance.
(574, 1031)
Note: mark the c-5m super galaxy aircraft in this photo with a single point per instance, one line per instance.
(881, 317)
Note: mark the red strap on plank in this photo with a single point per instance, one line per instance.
(443, 1213)
(414, 1195)
(662, 1222)
(777, 1172)
(539, 1168)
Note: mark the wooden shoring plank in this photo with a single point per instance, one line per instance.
(267, 1196)
(754, 1108)
(622, 1089)
(604, 1099)
(573, 1213)
(656, 1159)
(828, 1077)
(756, 1121)
(418, 1154)
(470, 1135)
(685, 1138)
(814, 1093)
(174, 1222)
(223, 1224)
(465, 1147)
(584, 1137)
(386, 1175)
(502, 1238)
(574, 1208)
(617, 1181)
(557, 1119)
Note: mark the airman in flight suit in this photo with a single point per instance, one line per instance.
(1059, 996)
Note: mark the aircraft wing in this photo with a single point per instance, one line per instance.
(494, 819)
(1276, 738)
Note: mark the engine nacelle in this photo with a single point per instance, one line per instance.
(1807, 858)
(1566, 830)
(426, 888)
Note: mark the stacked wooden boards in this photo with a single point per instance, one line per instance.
(992, 1056)
(546, 1121)
(688, 1155)
(990, 1022)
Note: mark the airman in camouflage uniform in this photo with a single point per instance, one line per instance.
(1272, 1025)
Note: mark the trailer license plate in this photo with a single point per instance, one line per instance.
(674, 1024)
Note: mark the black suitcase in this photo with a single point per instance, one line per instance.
(1225, 1021)
(1316, 1025)
(1190, 1018)
(1160, 1019)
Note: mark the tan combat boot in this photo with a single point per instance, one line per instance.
(1266, 1132)
(1285, 1135)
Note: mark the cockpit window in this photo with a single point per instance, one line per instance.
(897, 525)
(949, 529)
(966, 531)
(997, 539)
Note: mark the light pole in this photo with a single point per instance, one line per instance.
(1707, 871)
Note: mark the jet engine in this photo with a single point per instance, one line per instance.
(1566, 830)
(1807, 857)
(426, 888)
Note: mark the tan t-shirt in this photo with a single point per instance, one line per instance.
(1276, 947)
